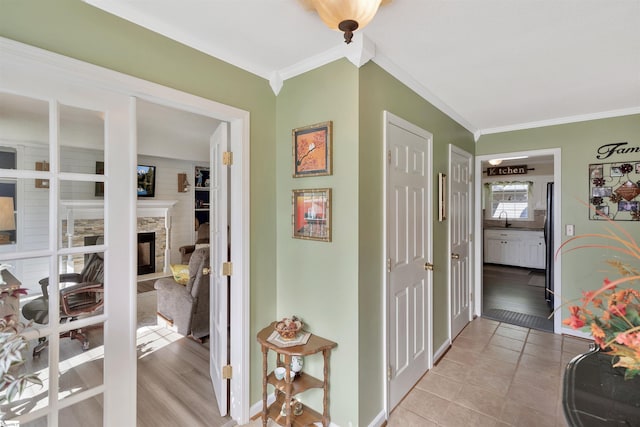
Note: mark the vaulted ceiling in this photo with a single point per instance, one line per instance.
(492, 65)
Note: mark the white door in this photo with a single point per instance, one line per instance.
(459, 238)
(219, 327)
(408, 207)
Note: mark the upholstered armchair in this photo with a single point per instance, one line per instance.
(201, 238)
(186, 307)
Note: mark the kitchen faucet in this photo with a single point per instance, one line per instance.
(506, 218)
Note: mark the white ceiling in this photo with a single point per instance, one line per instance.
(492, 65)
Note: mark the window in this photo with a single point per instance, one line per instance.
(510, 199)
(7, 198)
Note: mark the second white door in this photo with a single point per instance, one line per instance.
(409, 280)
(459, 238)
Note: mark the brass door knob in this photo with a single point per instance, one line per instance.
(455, 256)
(428, 266)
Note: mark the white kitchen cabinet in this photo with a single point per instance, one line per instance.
(533, 255)
(520, 248)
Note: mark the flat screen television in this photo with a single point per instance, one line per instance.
(146, 181)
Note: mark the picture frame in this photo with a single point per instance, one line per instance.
(616, 171)
(312, 214)
(442, 197)
(596, 171)
(312, 150)
(601, 192)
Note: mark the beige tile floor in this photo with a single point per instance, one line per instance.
(494, 374)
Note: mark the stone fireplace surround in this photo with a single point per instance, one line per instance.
(84, 218)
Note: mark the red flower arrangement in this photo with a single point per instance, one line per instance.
(611, 314)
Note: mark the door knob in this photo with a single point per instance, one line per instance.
(206, 271)
(428, 266)
(455, 256)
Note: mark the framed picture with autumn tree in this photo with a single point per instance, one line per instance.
(312, 147)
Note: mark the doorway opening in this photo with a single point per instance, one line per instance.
(517, 210)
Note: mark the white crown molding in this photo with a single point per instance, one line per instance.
(560, 121)
(125, 11)
(361, 50)
(422, 91)
(276, 82)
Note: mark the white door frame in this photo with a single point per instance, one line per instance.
(90, 75)
(557, 231)
(387, 119)
(453, 148)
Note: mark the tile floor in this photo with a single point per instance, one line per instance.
(495, 374)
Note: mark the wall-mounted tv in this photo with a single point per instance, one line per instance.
(146, 181)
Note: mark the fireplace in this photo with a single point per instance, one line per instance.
(146, 253)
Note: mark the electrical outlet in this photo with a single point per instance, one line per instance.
(570, 230)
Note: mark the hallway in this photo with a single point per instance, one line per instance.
(495, 374)
(515, 295)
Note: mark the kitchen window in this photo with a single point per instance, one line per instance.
(510, 200)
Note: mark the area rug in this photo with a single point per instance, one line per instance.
(147, 308)
(536, 279)
(519, 319)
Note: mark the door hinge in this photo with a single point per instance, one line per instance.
(227, 158)
(227, 372)
(388, 265)
(227, 268)
(389, 156)
(389, 373)
(471, 237)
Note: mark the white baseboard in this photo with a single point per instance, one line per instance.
(441, 351)
(379, 420)
(576, 333)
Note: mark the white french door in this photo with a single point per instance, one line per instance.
(219, 229)
(62, 131)
(409, 254)
(459, 239)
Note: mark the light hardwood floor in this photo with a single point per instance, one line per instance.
(173, 387)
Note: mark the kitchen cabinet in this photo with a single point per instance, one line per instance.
(520, 248)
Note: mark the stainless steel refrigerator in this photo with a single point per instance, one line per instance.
(548, 237)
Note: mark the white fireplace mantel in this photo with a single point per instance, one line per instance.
(75, 210)
(94, 209)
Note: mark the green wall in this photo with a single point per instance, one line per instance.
(319, 280)
(379, 91)
(579, 143)
(77, 30)
(337, 287)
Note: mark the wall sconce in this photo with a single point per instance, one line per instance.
(7, 219)
(183, 183)
(42, 166)
(495, 162)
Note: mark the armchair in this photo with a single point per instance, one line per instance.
(83, 298)
(187, 306)
(202, 237)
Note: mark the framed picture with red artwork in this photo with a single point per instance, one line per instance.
(312, 150)
(312, 214)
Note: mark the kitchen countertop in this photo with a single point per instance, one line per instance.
(514, 228)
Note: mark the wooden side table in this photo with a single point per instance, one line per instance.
(287, 388)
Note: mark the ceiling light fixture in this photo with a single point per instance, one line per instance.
(346, 15)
